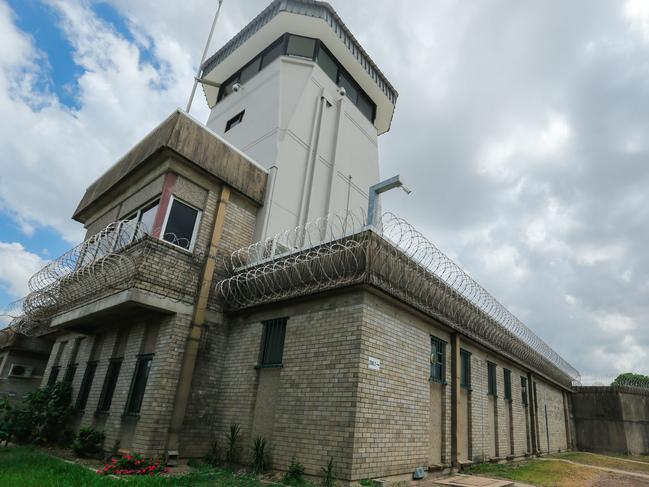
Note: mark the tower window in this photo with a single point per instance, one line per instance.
(234, 121)
(307, 48)
(181, 225)
(300, 46)
(328, 65)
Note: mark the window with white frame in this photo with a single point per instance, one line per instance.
(181, 224)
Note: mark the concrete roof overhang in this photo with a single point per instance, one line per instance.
(311, 19)
(193, 142)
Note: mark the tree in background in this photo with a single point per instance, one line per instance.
(631, 379)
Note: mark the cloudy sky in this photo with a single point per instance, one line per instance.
(521, 127)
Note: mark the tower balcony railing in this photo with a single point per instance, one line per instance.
(123, 256)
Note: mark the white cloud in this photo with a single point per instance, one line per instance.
(637, 13)
(17, 265)
(52, 152)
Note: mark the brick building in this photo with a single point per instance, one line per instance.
(336, 340)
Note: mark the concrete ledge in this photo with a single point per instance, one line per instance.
(128, 298)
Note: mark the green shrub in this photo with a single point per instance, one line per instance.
(133, 465)
(232, 451)
(259, 455)
(42, 415)
(295, 474)
(328, 479)
(89, 442)
(369, 483)
(4, 421)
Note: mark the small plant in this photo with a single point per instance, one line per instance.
(328, 475)
(89, 442)
(232, 451)
(369, 483)
(133, 465)
(259, 455)
(213, 458)
(295, 474)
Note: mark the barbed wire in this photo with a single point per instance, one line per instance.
(338, 250)
(112, 260)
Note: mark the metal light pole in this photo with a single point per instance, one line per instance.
(200, 65)
(376, 190)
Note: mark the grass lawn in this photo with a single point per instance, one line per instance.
(537, 472)
(27, 467)
(619, 463)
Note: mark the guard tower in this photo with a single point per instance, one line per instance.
(295, 91)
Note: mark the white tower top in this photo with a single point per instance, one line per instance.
(297, 92)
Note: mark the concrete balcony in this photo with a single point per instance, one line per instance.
(107, 278)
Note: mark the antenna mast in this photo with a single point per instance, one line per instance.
(200, 65)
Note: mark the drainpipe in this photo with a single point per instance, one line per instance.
(196, 330)
(312, 158)
(332, 173)
(269, 200)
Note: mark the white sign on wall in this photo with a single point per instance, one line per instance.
(373, 363)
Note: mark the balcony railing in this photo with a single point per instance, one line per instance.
(122, 256)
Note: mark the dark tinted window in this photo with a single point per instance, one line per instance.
(366, 106)
(234, 121)
(110, 382)
(437, 359)
(139, 384)
(328, 65)
(86, 384)
(273, 52)
(272, 352)
(465, 369)
(524, 390)
(226, 88)
(507, 374)
(491, 379)
(180, 224)
(301, 46)
(350, 87)
(69, 374)
(250, 70)
(54, 375)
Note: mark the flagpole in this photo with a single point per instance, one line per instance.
(200, 65)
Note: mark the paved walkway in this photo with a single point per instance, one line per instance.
(603, 469)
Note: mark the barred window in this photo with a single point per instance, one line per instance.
(491, 379)
(140, 378)
(524, 390)
(69, 373)
(465, 369)
(54, 374)
(272, 351)
(437, 359)
(507, 374)
(86, 384)
(112, 374)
